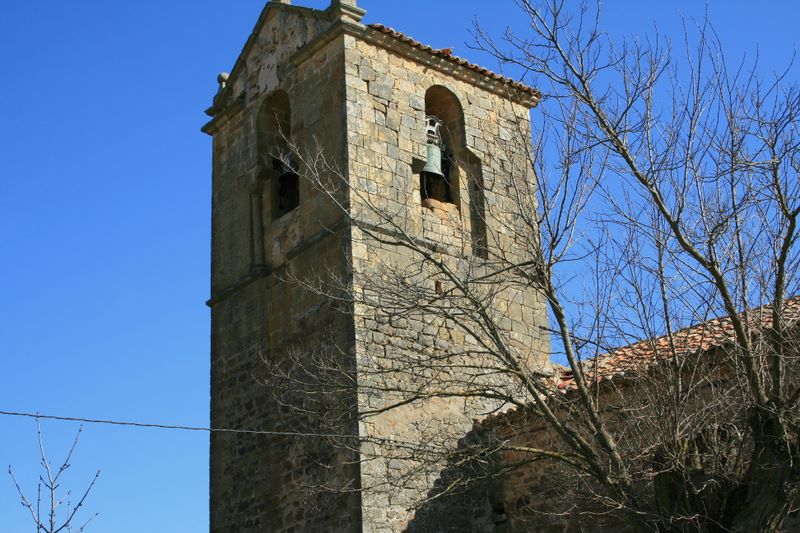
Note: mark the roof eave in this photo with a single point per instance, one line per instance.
(451, 65)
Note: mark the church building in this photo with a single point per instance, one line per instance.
(348, 159)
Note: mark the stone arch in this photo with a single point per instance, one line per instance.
(274, 122)
(442, 103)
(275, 157)
(460, 165)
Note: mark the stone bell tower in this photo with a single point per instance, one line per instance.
(403, 129)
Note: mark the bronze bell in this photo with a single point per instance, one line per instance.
(434, 162)
(433, 165)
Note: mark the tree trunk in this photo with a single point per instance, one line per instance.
(770, 486)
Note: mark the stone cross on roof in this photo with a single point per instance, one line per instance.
(347, 10)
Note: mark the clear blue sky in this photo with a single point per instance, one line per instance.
(105, 222)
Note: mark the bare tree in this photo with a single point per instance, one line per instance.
(700, 173)
(46, 509)
(661, 191)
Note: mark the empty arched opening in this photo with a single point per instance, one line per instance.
(439, 179)
(274, 134)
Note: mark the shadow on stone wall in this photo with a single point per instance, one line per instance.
(474, 505)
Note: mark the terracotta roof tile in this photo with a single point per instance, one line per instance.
(447, 53)
(635, 357)
(702, 337)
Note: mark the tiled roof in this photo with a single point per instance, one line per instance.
(694, 339)
(447, 54)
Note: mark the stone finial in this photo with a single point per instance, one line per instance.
(222, 79)
(347, 10)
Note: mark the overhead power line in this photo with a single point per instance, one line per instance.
(398, 443)
(172, 427)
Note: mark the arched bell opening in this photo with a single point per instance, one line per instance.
(445, 139)
(274, 134)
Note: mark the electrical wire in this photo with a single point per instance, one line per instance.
(40, 416)
(375, 440)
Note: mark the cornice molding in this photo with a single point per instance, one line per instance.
(221, 116)
(447, 66)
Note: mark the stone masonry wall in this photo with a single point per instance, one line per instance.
(278, 345)
(263, 321)
(408, 352)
